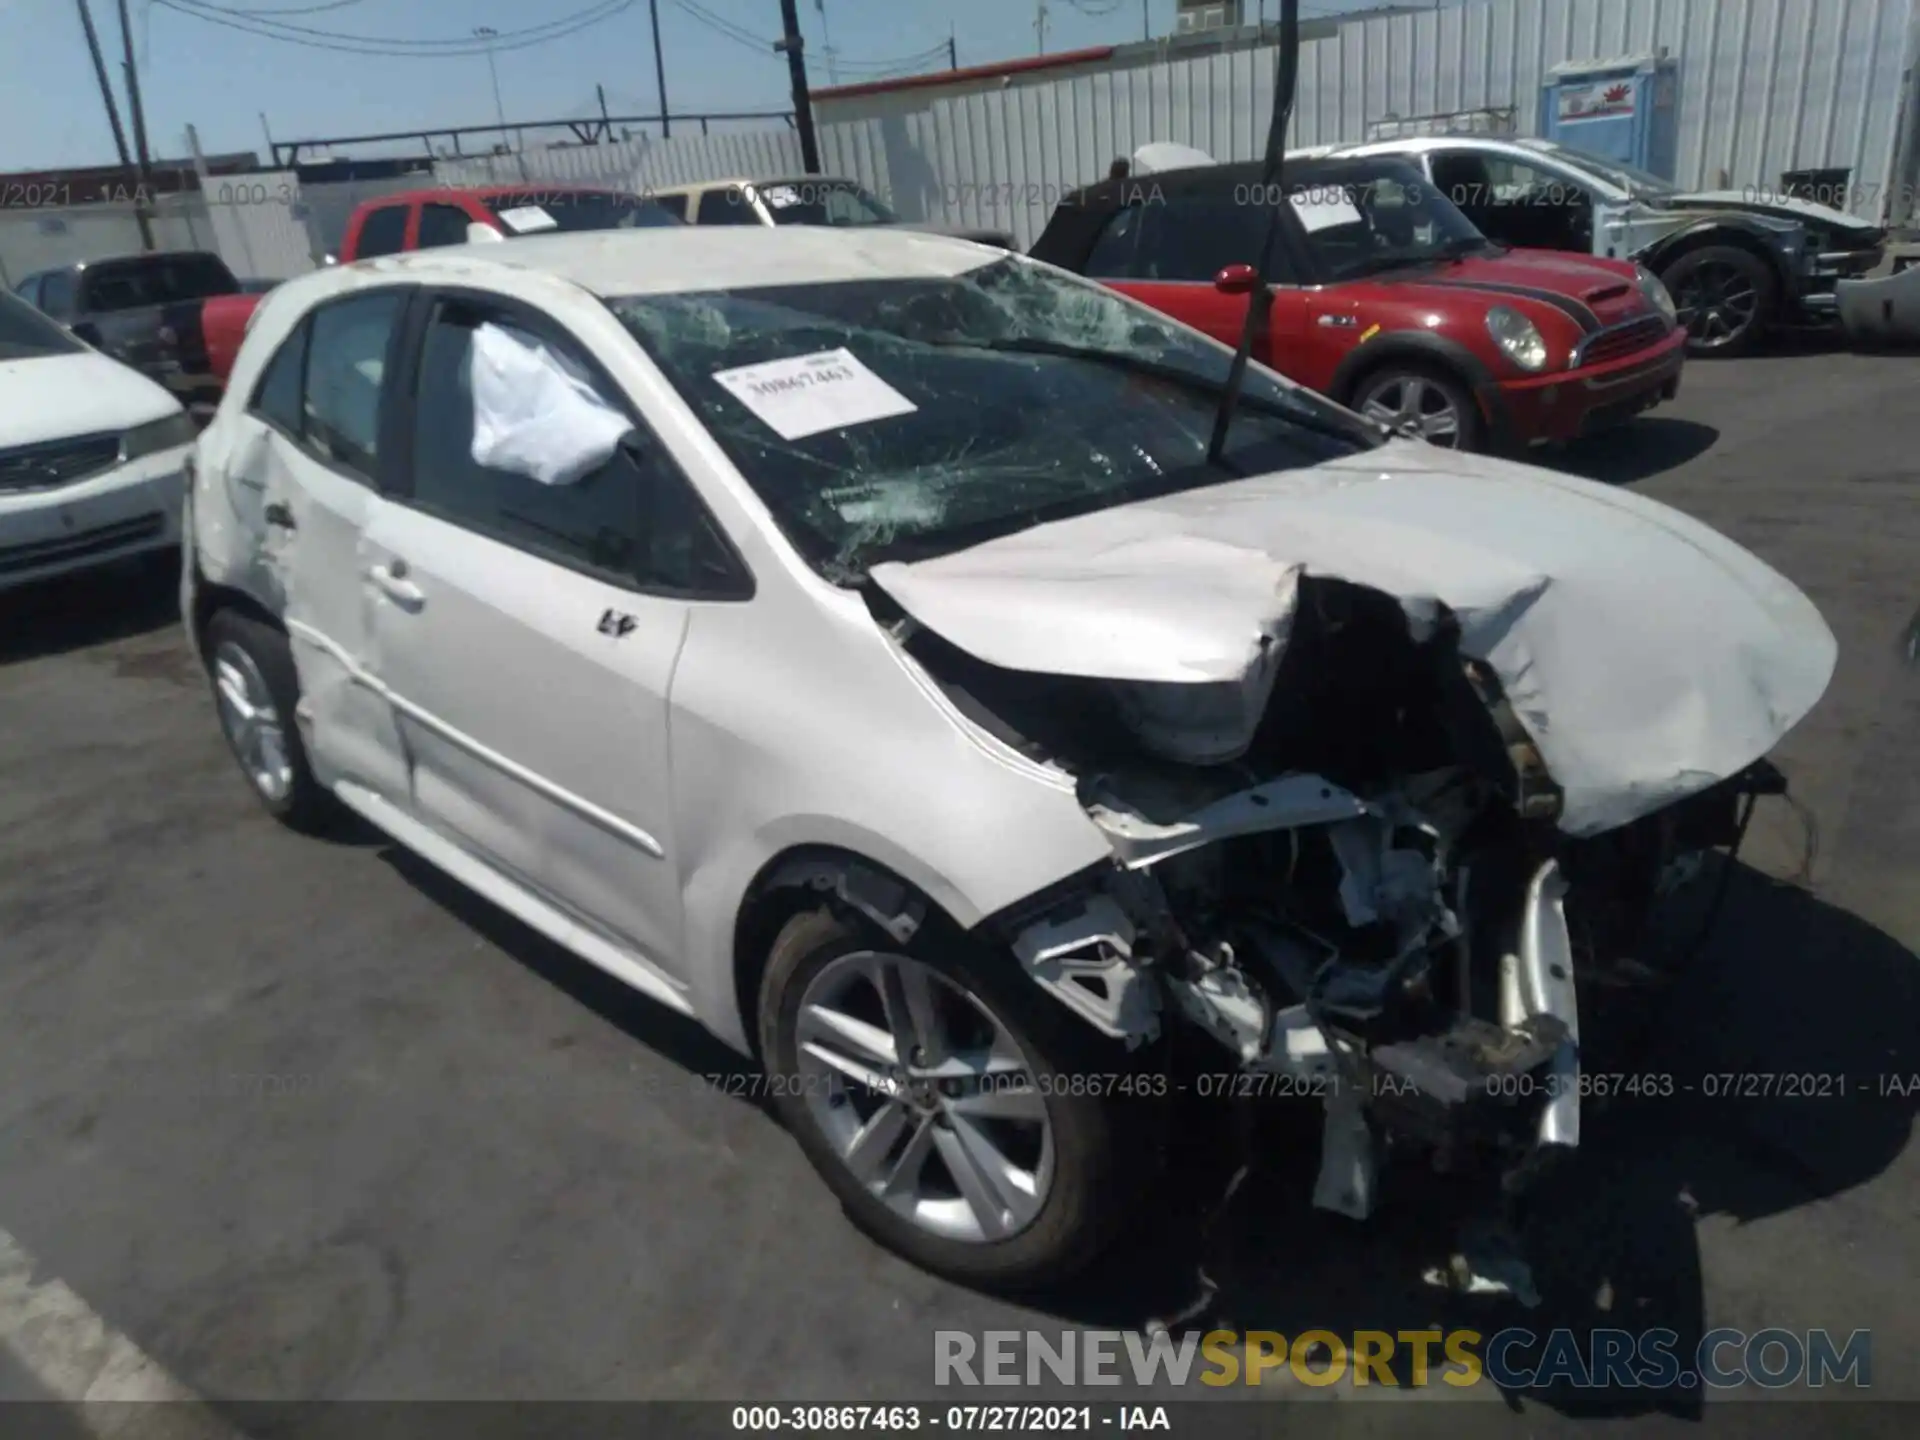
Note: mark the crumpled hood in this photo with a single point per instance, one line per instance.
(979, 234)
(1647, 655)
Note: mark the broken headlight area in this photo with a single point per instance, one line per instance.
(1355, 882)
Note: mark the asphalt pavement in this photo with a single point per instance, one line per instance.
(302, 1120)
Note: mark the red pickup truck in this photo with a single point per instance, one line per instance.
(424, 219)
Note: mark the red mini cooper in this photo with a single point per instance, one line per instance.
(1386, 298)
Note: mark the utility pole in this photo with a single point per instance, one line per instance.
(795, 49)
(113, 116)
(141, 198)
(488, 34)
(1146, 20)
(606, 122)
(660, 72)
(1040, 23)
(953, 50)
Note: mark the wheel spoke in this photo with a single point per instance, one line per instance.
(866, 1155)
(912, 1016)
(904, 1179)
(1376, 410)
(824, 1027)
(992, 1187)
(1006, 1100)
(233, 690)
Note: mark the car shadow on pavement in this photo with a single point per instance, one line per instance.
(1649, 446)
(672, 1036)
(94, 607)
(1789, 986)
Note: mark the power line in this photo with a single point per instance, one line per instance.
(315, 39)
(271, 14)
(725, 27)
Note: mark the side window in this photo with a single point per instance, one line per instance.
(56, 294)
(442, 225)
(346, 361)
(727, 205)
(633, 519)
(276, 398)
(29, 291)
(674, 205)
(1193, 239)
(383, 232)
(1116, 252)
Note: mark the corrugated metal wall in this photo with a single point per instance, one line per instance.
(258, 224)
(639, 164)
(1766, 86)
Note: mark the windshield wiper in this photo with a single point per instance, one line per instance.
(1291, 412)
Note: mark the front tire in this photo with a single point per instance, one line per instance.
(963, 1117)
(1727, 299)
(1423, 402)
(256, 688)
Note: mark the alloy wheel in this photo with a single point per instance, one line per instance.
(925, 1096)
(252, 722)
(1414, 406)
(1717, 304)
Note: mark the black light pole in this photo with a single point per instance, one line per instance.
(795, 47)
(660, 72)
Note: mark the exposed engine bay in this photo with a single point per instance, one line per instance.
(1347, 870)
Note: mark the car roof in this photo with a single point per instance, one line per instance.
(1421, 144)
(131, 257)
(1132, 188)
(666, 260)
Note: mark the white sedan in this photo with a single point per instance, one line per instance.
(91, 453)
(852, 640)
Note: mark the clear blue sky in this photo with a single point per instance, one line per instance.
(201, 69)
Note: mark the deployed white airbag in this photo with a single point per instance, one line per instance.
(533, 416)
(1647, 655)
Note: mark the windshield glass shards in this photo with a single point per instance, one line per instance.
(900, 418)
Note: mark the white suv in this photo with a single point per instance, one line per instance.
(91, 453)
(855, 642)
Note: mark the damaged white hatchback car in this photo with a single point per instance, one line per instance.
(847, 640)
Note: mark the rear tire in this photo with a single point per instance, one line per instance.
(1404, 395)
(1097, 1148)
(256, 690)
(1728, 299)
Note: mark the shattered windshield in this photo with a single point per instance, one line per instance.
(1366, 223)
(823, 202)
(901, 418)
(1643, 184)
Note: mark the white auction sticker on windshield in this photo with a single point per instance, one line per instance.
(523, 219)
(1324, 209)
(810, 394)
(780, 197)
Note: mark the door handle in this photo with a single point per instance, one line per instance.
(391, 578)
(278, 513)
